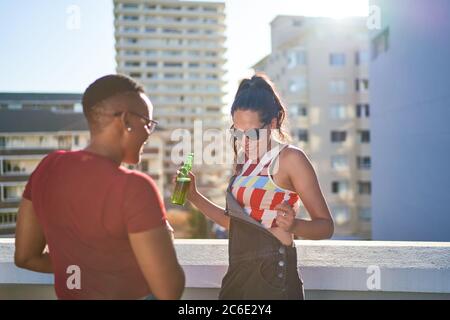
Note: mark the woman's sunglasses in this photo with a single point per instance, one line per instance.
(252, 134)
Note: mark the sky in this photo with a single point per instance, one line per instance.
(44, 50)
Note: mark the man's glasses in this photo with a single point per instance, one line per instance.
(252, 134)
(149, 123)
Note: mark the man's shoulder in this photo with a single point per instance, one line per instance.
(50, 158)
(137, 178)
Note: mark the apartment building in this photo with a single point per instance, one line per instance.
(320, 66)
(176, 50)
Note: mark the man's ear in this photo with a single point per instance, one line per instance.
(125, 119)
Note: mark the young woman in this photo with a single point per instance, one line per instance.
(261, 200)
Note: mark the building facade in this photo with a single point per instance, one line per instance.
(176, 50)
(409, 72)
(320, 67)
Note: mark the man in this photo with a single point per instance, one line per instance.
(105, 226)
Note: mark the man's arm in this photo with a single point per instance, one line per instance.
(156, 257)
(30, 241)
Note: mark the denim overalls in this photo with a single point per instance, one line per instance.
(260, 266)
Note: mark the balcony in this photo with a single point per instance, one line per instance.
(330, 269)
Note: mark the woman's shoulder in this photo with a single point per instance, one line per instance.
(291, 154)
(290, 150)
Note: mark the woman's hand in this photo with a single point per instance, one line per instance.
(192, 192)
(285, 217)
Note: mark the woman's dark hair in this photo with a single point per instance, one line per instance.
(259, 94)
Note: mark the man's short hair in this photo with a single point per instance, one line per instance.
(104, 88)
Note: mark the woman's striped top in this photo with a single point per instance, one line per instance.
(256, 191)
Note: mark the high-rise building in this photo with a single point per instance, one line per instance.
(409, 73)
(320, 67)
(35, 124)
(176, 50)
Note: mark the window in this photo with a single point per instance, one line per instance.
(132, 63)
(341, 215)
(130, 18)
(363, 162)
(364, 136)
(151, 52)
(364, 187)
(298, 84)
(338, 111)
(172, 31)
(209, 9)
(194, 53)
(296, 58)
(296, 110)
(365, 214)
(361, 57)
(76, 140)
(151, 64)
(173, 53)
(2, 142)
(340, 187)
(131, 40)
(211, 76)
(131, 29)
(338, 86)
(337, 59)
(361, 85)
(132, 52)
(13, 193)
(193, 75)
(173, 75)
(130, 5)
(171, 8)
(380, 44)
(302, 135)
(338, 136)
(144, 165)
(339, 162)
(135, 74)
(173, 64)
(150, 30)
(8, 218)
(362, 110)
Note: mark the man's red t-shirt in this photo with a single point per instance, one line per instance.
(87, 205)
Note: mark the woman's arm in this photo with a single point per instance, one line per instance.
(207, 207)
(304, 180)
(30, 241)
(211, 210)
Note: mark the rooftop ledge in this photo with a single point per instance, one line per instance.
(331, 269)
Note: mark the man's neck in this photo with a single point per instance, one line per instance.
(105, 151)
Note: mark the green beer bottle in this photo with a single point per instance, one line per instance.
(183, 181)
